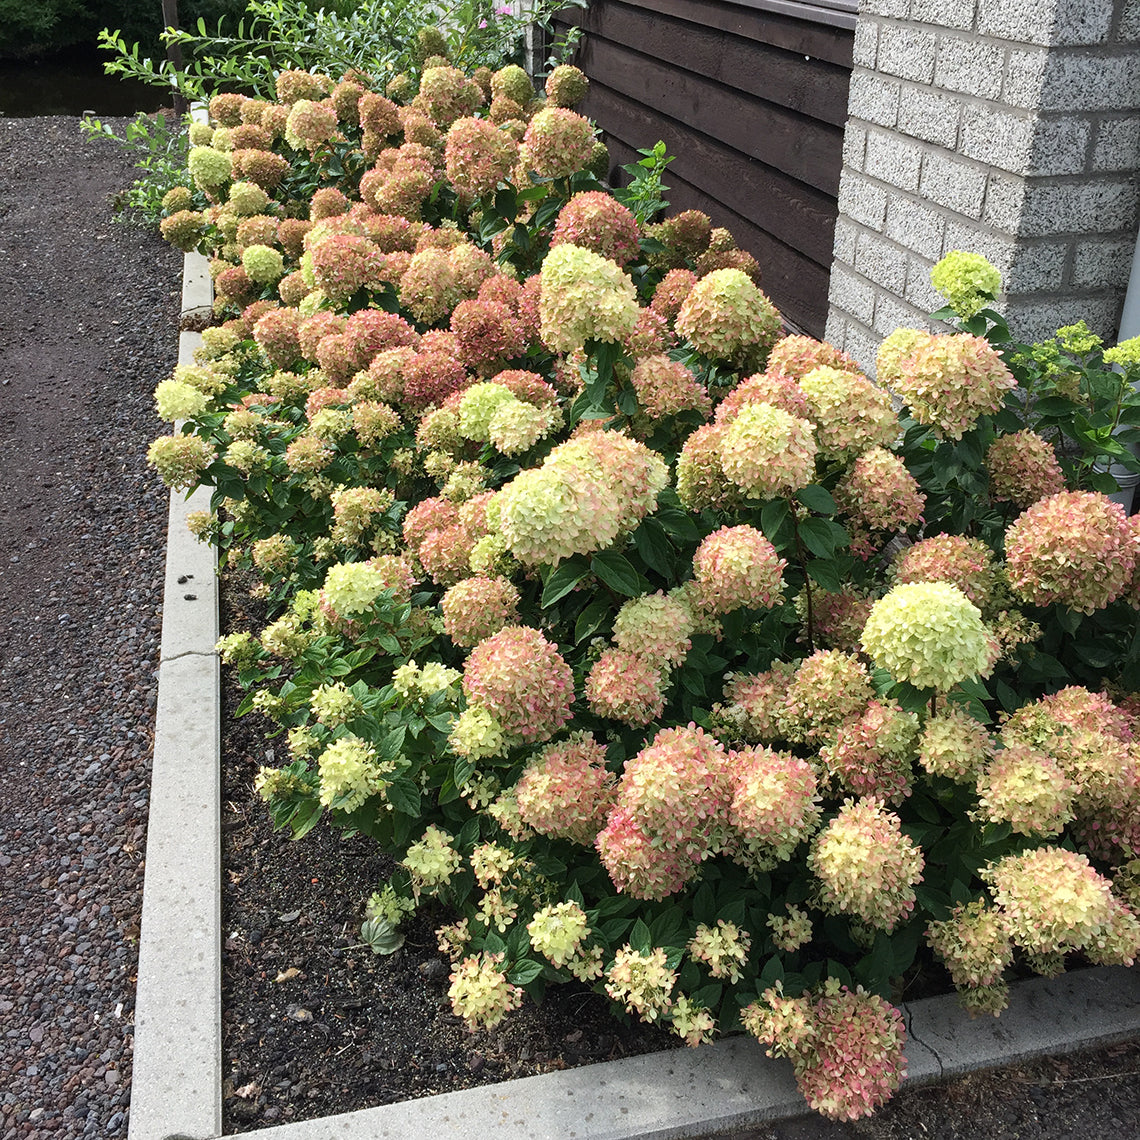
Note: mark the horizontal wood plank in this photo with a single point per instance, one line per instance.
(791, 211)
(803, 37)
(814, 88)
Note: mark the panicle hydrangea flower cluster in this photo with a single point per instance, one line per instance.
(839, 617)
(726, 316)
(826, 689)
(565, 790)
(352, 588)
(668, 816)
(177, 400)
(1027, 789)
(665, 387)
(879, 493)
(955, 745)
(656, 627)
(737, 566)
(775, 805)
(597, 221)
(968, 281)
(949, 380)
(478, 608)
(642, 982)
(975, 946)
(967, 563)
(522, 681)
(872, 754)
(557, 143)
(584, 296)
(766, 452)
(865, 866)
(588, 492)
(626, 687)
(765, 388)
(791, 931)
(431, 861)
(930, 634)
(722, 948)
(1075, 548)
(1023, 469)
(480, 993)
(753, 703)
(334, 704)
(846, 1047)
(478, 156)
(850, 413)
(701, 481)
(180, 459)
(557, 932)
(1053, 901)
(793, 357)
(350, 773)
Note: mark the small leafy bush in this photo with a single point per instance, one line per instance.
(662, 650)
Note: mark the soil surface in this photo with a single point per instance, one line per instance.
(89, 325)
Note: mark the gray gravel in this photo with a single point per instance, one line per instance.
(89, 324)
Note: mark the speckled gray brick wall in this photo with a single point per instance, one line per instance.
(1011, 127)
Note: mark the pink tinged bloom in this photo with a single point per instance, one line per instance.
(737, 566)
(670, 813)
(846, 1047)
(967, 563)
(478, 608)
(1023, 469)
(775, 804)
(626, 687)
(768, 453)
(872, 754)
(665, 387)
(796, 356)
(1027, 789)
(879, 492)
(949, 380)
(1075, 548)
(478, 156)
(850, 413)
(598, 221)
(521, 679)
(754, 703)
(558, 143)
(865, 866)
(764, 388)
(725, 315)
(701, 481)
(566, 791)
(828, 687)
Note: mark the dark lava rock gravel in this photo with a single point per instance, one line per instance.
(88, 321)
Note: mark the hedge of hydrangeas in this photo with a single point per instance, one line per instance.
(663, 650)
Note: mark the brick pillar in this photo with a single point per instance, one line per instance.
(1009, 127)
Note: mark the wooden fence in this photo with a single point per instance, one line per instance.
(751, 98)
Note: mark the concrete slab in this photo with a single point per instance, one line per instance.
(197, 288)
(176, 1085)
(190, 602)
(1045, 1015)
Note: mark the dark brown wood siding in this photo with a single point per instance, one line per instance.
(752, 103)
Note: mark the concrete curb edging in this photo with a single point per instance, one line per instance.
(686, 1093)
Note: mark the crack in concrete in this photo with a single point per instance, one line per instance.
(188, 653)
(908, 1021)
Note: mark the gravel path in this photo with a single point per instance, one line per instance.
(90, 317)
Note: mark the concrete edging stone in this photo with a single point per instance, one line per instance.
(685, 1093)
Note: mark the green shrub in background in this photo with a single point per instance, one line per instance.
(660, 650)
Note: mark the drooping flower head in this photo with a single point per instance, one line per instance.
(929, 634)
(522, 680)
(584, 297)
(737, 566)
(846, 1047)
(1023, 469)
(725, 315)
(865, 866)
(949, 380)
(1076, 548)
(565, 791)
(850, 413)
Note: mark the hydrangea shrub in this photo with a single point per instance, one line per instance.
(662, 651)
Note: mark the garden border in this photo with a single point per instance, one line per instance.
(176, 1089)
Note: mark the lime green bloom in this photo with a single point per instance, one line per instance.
(967, 280)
